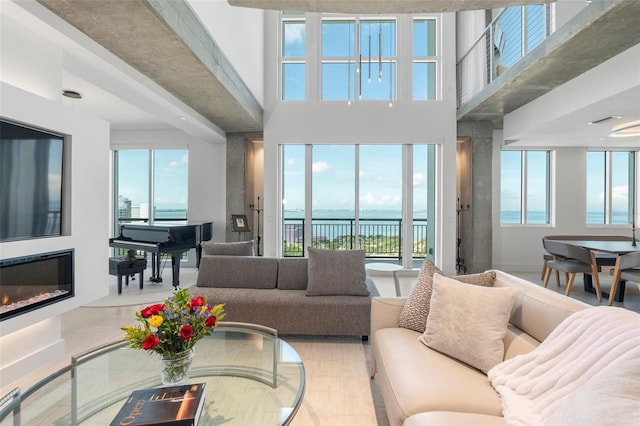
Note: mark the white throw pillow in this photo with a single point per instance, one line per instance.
(468, 322)
(416, 310)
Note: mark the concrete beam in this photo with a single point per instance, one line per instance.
(165, 41)
(380, 6)
(597, 33)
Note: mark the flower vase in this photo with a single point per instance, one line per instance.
(174, 368)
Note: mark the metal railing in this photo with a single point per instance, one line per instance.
(513, 33)
(380, 238)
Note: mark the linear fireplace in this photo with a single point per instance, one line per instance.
(31, 282)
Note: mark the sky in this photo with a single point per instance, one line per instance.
(171, 171)
(334, 177)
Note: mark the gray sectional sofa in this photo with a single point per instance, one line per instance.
(302, 296)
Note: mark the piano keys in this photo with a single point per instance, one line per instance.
(170, 239)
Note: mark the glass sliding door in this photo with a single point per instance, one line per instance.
(380, 212)
(170, 184)
(293, 200)
(352, 196)
(333, 196)
(132, 186)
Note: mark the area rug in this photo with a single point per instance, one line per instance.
(150, 293)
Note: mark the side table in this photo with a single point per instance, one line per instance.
(386, 267)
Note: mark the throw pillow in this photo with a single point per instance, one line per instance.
(241, 248)
(468, 322)
(336, 272)
(612, 397)
(416, 309)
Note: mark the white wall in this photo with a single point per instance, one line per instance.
(366, 122)
(89, 170)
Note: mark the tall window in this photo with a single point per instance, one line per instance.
(351, 196)
(424, 59)
(358, 58)
(378, 59)
(151, 186)
(524, 187)
(338, 59)
(610, 187)
(293, 59)
(373, 58)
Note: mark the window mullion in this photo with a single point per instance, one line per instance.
(152, 184)
(523, 189)
(608, 187)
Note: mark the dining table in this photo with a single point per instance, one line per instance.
(616, 247)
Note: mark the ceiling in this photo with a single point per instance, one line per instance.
(170, 30)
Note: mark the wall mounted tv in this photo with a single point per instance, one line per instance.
(31, 182)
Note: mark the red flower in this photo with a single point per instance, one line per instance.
(152, 310)
(196, 302)
(186, 331)
(210, 321)
(150, 342)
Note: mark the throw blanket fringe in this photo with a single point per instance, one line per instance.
(534, 385)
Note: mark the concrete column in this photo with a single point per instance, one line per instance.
(236, 183)
(477, 232)
(241, 183)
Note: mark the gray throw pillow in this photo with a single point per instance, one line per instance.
(416, 309)
(240, 248)
(336, 273)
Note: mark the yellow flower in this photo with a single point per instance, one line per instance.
(155, 321)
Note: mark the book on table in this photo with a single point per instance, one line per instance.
(174, 405)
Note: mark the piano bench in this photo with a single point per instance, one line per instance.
(125, 266)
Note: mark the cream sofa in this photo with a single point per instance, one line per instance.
(421, 386)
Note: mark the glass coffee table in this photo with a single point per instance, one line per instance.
(252, 378)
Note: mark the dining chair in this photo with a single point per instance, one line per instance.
(546, 258)
(571, 260)
(627, 269)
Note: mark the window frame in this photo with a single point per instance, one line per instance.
(524, 192)
(632, 191)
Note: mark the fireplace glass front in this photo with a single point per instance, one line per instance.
(31, 282)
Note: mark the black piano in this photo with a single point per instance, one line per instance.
(173, 240)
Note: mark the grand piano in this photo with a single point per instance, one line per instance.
(173, 240)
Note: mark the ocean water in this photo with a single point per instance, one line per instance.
(538, 217)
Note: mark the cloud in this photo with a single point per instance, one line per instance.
(320, 166)
(175, 164)
(385, 201)
(294, 34)
(419, 179)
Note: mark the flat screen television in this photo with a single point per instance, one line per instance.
(31, 182)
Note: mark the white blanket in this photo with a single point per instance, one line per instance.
(534, 385)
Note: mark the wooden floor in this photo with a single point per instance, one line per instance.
(338, 391)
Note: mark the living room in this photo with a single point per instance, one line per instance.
(43, 54)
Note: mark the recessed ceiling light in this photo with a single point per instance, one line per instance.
(626, 130)
(602, 120)
(71, 94)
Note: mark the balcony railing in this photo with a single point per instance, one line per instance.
(380, 238)
(513, 33)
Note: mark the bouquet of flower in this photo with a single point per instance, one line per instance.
(175, 325)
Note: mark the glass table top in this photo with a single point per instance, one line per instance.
(252, 378)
